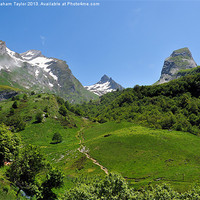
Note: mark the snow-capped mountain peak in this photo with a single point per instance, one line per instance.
(32, 70)
(31, 54)
(104, 86)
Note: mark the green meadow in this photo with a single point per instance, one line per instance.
(144, 155)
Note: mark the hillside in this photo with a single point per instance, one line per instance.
(174, 105)
(65, 155)
(144, 155)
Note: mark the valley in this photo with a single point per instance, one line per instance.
(136, 139)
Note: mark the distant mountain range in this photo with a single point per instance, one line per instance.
(104, 86)
(33, 71)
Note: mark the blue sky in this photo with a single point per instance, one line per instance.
(127, 40)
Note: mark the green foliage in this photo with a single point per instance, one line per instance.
(9, 144)
(39, 117)
(166, 106)
(60, 100)
(46, 109)
(16, 123)
(54, 179)
(24, 172)
(63, 110)
(25, 97)
(111, 187)
(12, 111)
(32, 92)
(114, 186)
(15, 104)
(57, 138)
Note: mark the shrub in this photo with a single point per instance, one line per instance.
(15, 104)
(57, 138)
(39, 117)
(63, 110)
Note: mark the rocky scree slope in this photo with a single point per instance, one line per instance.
(104, 86)
(31, 70)
(180, 59)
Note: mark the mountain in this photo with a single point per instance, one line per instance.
(104, 86)
(32, 70)
(180, 59)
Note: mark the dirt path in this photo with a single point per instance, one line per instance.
(83, 150)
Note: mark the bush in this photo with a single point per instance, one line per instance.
(15, 104)
(57, 138)
(25, 97)
(32, 92)
(39, 117)
(63, 110)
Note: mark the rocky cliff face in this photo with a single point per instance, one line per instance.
(2, 47)
(179, 60)
(7, 94)
(34, 71)
(104, 86)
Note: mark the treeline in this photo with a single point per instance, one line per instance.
(113, 186)
(174, 105)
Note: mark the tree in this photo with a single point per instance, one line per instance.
(39, 117)
(9, 144)
(15, 104)
(63, 110)
(24, 169)
(60, 100)
(57, 138)
(25, 97)
(26, 173)
(54, 179)
(16, 123)
(32, 93)
(113, 186)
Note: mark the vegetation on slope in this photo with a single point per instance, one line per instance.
(174, 105)
(37, 117)
(145, 155)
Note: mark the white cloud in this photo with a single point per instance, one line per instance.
(43, 39)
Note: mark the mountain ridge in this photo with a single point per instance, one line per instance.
(104, 86)
(32, 70)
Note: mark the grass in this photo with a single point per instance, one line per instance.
(64, 155)
(145, 155)
(142, 155)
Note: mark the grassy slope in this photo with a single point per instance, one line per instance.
(145, 155)
(63, 155)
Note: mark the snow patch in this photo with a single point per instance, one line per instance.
(37, 73)
(41, 62)
(100, 89)
(54, 76)
(12, 55)
(50, 84)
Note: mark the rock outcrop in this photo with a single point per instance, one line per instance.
(179, 60)
(2, 47)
